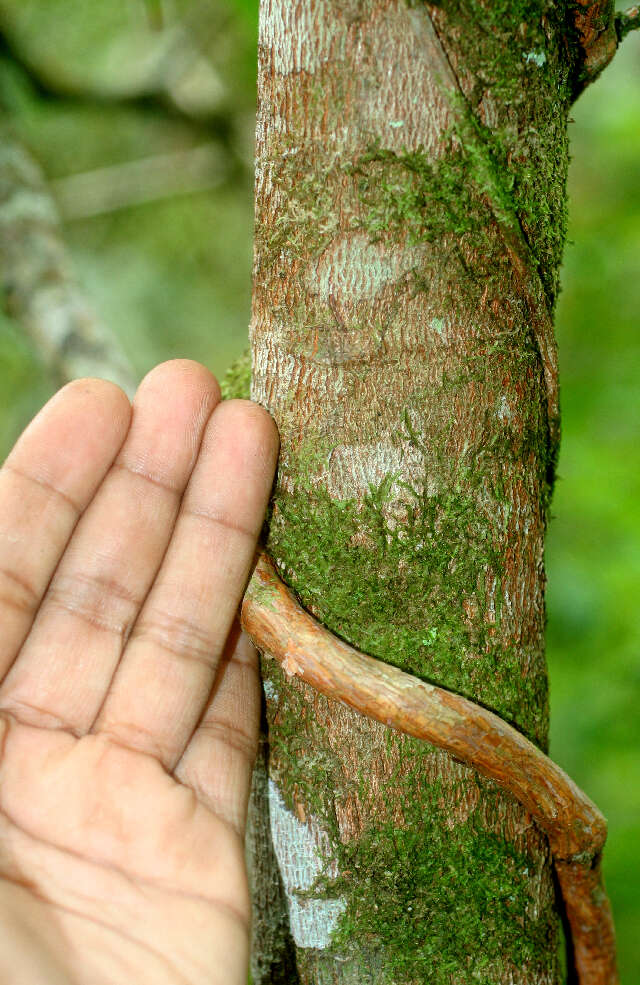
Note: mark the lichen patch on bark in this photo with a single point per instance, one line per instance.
(300, 847)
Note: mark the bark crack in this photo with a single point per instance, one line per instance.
(505, 215)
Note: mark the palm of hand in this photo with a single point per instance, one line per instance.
(129, 699)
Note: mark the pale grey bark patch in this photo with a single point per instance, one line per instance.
(277, 373)
(270, 690)
(354, 469)
(273, 960)
(354, 269)
(301, 849)
(505, 413)
(400, 104)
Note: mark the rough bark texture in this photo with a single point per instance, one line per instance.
(410, 195)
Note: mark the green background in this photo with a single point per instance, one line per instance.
(172, 278)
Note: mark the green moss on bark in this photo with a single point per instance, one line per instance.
(511, 52)
(409, 196)
(412, 594)
(440, 880)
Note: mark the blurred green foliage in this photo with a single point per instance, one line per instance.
(593, 546)
(172, 278)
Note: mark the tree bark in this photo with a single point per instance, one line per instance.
(410, 214)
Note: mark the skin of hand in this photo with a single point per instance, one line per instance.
(129, 698)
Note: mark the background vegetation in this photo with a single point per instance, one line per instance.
(90, 87)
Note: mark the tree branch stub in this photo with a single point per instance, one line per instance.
(627, 21)
(600, 30)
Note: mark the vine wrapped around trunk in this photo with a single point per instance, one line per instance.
(576, 829)
(410, 216)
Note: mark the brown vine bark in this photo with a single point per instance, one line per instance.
(410, 171)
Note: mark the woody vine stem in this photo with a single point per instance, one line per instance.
(576, 829)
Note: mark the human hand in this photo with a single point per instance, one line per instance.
(129, 698)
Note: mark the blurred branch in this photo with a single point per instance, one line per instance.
(170, 63)
(38, 287)
(155, 14)
(135, 182)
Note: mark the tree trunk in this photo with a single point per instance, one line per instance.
(410, 217)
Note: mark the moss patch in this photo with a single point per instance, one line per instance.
(414, 594)
(236, 382)
(440, 879)
(410, 196)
